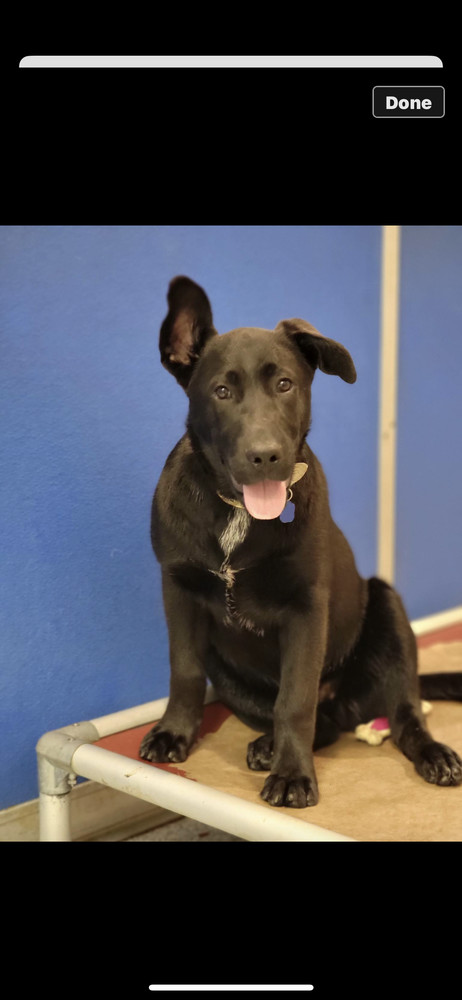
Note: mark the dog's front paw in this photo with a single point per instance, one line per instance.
(160, 745)
(296, 792)
(439, 764)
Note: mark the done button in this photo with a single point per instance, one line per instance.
(408, 102)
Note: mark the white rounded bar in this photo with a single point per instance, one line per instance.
(190, 798)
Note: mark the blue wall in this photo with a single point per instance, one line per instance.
(88, 417)
(429, 459)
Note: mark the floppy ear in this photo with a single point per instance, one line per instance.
(186, 329)
(319, 351)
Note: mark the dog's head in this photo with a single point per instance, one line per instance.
(249, 393)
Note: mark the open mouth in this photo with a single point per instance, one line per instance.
(264, 500)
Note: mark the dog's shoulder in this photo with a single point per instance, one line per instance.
(183, 508)
(179, 482)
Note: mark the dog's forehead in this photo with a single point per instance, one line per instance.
(249, 347)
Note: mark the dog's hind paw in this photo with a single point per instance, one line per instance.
(161, 746)
(439, 764)
(295, 792)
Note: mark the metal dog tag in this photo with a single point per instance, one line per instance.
(288, 513)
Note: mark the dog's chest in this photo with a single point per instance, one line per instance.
(232, 536)
(246, 579)
(235, 532)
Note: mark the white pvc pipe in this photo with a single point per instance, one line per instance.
(387, 441)
(128, 718)
(54, 813)
(190, 798)
(440, 620)
(138, 715)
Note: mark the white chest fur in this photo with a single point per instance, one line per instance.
(235, 531)
(232, 536)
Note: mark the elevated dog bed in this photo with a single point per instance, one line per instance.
(367, 793)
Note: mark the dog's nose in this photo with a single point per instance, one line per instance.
(264, 457)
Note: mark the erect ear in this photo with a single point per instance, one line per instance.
(186, 329)
(319, 351)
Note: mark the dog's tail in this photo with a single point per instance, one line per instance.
(442, 687)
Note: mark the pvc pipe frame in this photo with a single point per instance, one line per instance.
(170, 791)
(54, 817)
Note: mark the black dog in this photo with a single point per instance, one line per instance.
(260, 587)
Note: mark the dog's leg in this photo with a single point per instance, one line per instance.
(172, 738)
(292, 781)
(434, 761)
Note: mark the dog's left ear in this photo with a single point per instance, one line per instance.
(186, 329)
(319, 351)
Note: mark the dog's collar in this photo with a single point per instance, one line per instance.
(299, 471)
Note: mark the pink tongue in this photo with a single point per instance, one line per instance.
(265, 500)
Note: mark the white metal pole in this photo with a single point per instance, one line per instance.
(54, 815)
(128, 718)
(190, 798)
(388, 414)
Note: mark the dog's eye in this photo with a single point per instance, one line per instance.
(284, 385)
(222, 392)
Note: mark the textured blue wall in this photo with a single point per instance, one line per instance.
(88, 417)
(429, 460)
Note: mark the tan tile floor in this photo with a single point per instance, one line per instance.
(185, 829)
